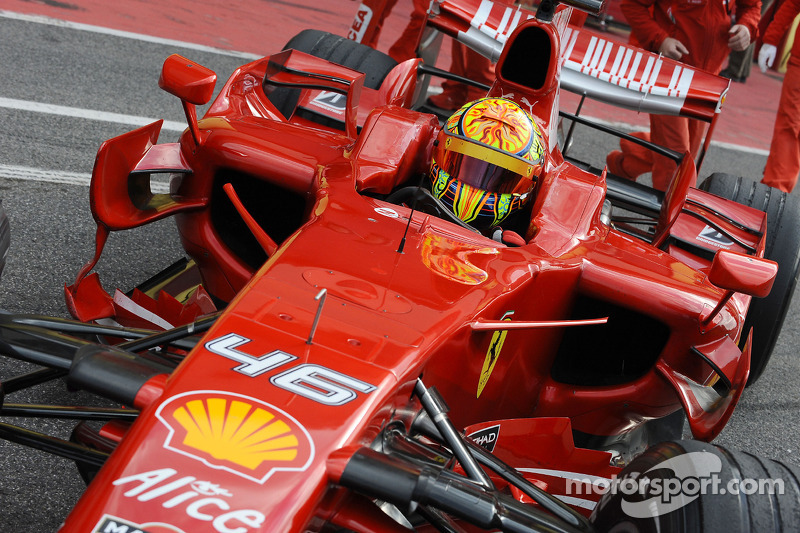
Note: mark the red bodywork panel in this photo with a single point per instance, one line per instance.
(245, 434)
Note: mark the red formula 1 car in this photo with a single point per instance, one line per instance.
(295, 373)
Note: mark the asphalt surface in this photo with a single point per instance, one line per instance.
(53, 232)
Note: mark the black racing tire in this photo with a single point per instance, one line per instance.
(766, 315)
(5, 237)
(373, 63)
(738, 502)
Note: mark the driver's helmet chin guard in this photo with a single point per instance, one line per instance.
(488, 158)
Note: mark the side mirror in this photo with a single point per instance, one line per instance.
(737, 272)
(192, 83)
(189, 81)
(743, 273)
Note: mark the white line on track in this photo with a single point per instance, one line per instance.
(126, 34)
(739, 148)
(77, 112)
(60, 176)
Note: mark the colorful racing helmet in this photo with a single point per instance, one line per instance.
(487, 161)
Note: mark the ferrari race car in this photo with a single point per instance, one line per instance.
(353, 270)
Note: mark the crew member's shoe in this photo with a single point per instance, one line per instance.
(444, 101)
(614, 164)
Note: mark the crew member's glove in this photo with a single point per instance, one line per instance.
(739, 37)
(766, 56)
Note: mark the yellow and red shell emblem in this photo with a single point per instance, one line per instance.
(236, 433)
(501, 124)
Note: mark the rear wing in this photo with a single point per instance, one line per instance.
(602, 69)
(636, 79)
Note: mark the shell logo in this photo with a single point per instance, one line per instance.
(236, 433)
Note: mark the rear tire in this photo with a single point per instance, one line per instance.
(711, 511)
(766, 315)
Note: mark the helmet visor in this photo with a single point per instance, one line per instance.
(487, 169)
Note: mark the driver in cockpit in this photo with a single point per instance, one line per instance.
(486, 164)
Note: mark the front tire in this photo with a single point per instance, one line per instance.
(375, 65)
(717, 508)
(766, 315)
(345, 52)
